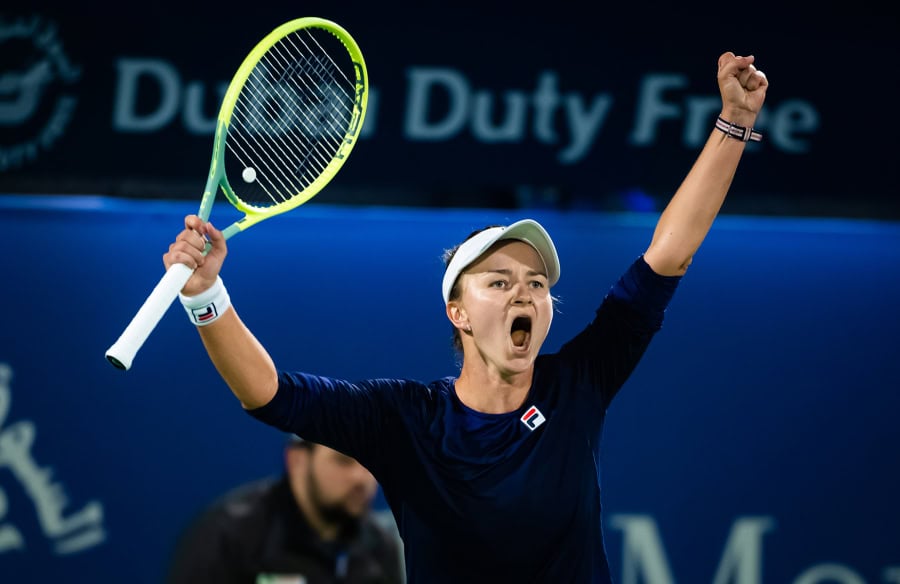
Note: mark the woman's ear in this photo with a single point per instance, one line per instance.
(457, 315)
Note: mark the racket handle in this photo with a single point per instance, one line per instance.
(122, 352)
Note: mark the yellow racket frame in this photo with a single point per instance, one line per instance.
(217, 177)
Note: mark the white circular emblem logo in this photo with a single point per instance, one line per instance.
(36, 90)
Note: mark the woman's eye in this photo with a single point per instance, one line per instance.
(498, 284)
(537, 284)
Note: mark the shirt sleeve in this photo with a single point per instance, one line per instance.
(645, 291)
(606, 352)
(347, 416)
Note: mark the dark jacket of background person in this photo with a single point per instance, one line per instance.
(258, 534)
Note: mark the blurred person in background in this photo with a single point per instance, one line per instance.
(314, 524)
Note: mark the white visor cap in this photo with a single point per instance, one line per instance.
(527, 230)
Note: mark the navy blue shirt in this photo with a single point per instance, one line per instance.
(491, 498)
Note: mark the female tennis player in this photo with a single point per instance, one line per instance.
(492, 475)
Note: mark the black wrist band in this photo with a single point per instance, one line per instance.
(741, 133)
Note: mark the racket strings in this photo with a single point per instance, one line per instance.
(282, 146)
(291, 118)
(294, 148)
(270, 150)
(318, 83)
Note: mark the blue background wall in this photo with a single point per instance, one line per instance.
(770, 395)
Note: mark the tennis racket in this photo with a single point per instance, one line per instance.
(289, 119)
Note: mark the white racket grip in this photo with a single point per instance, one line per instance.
(122, 352)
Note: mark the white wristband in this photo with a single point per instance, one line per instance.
(205, 308)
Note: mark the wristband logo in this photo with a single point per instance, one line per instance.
(205, 314)
(37, 102)
(533, 418)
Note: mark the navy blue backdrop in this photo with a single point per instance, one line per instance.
(757, 441)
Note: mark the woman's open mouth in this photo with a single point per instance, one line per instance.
(521, 331)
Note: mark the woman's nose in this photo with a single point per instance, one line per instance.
(522, 295)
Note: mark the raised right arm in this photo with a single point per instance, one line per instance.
(239, 357)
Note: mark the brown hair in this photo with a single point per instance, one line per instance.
(454, 291)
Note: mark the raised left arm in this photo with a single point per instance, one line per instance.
(688, 217)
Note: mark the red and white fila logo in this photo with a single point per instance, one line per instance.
(533, 418)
